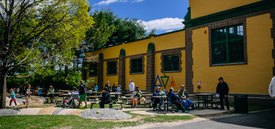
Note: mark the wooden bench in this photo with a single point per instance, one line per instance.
(94, 102)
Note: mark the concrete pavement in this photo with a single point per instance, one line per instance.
(256, 120)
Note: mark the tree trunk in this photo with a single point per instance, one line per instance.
(3, 90)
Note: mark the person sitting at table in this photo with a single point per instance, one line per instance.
(183, 95)
(114, 87)
(95, 87)
(157, 92)
(108, 86)
(135, 97)
(50, 94)
(74, 95)
(174, 99)
(105, 98)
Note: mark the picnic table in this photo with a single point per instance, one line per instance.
(204, 98)
(163, 101)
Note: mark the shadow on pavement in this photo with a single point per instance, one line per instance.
(265, 119)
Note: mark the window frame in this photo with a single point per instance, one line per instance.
(175, 52)
(222, 26)
(107, 69)
(96, 70)
(142, 64)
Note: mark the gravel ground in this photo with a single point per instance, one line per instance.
(105, 114)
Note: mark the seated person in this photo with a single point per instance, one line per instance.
(183, 94)
(74, 95)
(135, 97)
(50, 93)
(105, 98)
(114, 87)
(174, 99)
(157, 92)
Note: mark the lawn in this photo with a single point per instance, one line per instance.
(71, 121)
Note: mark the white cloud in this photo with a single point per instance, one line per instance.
(137, 1)
(107, 2)
(163, 24)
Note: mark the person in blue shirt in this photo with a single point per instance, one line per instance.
(12, 97)
(95, 87)
(174, 99)
(156, 101)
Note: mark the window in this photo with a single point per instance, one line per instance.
(228, 45)
(171, 62)
(112, 67)
(93, 69)
(136, 65)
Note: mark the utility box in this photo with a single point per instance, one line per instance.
(240, 103)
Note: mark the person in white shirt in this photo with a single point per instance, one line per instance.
(271, 89)
(131, 86)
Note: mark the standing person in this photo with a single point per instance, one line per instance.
(50, 93)
(108, 86)
(12, 97)
(131, 86)
(222, 91)
(83, 94)
(271, 89)
(27, 95)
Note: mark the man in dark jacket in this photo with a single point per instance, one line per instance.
(105, 98)
(222, 91)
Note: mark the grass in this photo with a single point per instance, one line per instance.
(56, 121)
(165, 118)
(76, 122)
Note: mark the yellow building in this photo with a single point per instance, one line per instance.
(232, 39)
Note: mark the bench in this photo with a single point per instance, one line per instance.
(94, 102)
(215, 104)
(97, 102)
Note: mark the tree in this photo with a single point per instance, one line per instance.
(36, 35)
(110, 30)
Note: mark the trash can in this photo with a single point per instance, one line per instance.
(241, 104)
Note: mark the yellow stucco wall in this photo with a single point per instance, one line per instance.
(252, 78)
(162, 42)
(201, 8)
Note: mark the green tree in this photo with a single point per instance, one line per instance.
(37, 35)
(111, 30)
(102, 30)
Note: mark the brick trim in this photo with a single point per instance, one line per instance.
(111, 59)
(121, 77)
(189, 61)
(231, 19)
(150, 71)
(171, 52)
(100, 64)
(143, 65)
(272, 16)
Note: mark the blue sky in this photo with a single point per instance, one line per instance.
(162, 15)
